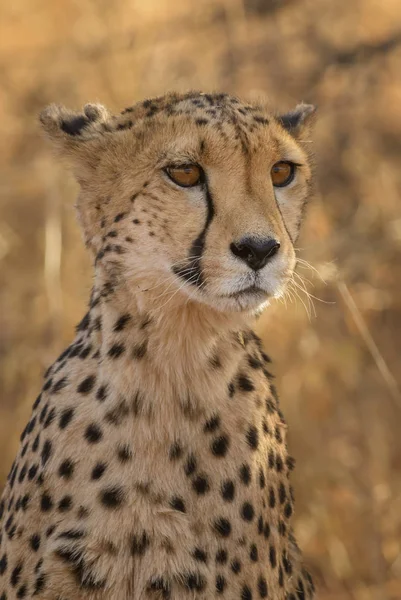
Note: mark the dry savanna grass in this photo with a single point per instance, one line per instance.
(335, 339)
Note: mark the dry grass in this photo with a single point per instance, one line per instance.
(338, 369)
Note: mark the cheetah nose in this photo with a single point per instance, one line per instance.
(255, 252)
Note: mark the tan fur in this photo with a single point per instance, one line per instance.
(164, 385)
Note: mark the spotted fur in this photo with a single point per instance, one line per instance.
(154, 464)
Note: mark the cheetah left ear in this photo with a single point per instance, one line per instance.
(77, 136)
(299, 120)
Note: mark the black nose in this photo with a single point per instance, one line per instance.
(255, 252)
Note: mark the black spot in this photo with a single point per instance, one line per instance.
(112, 497)
(271, 459)
(98, 470)
(282, 528)
(282, 493)
(86, 386)
(47, 385)
(22, 474)
(219, 446)
(190, 465)
(253, 553)
(220, 584)
(221, 556)
(140, 350)
(178, 504)
(245, 384)
(200, 484)
(46, 451)
(235, 566)
(21, 593)
(97, 324)
(273, 557)
(201, 121)
(85, 352)
(25, 502)
(119, 217)
(65, 417)
(37, 402)
(122, 322)
(32, 472)
(161, 585)
(252, 437)
(65, 504)
(261, 120)
(262, 587)
(34, 541)
(279, 464)
(124, 453)
(195, 581)
(50, 418)
(212, 424)
(39, 584)
(3, 564)
(246, 593)
(254, 362)
(43, 413)
(200, 555)
(15, 575)
(93, 433)
(272, 498)
(46, 503)
(71, 534)
(247, 511)
(245, 474)
(66, 469)
(290, 462)
(31, 425)
(228, 490)
(175, 451)
(222, 527)
(287, 564)
(288, 510)
(116, 350)
(277, 435)
(231, 389)
(59, 385)
(139, 544)
(101, 393)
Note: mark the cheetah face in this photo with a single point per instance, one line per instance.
(200, 195)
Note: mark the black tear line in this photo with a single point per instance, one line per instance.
(192, 273)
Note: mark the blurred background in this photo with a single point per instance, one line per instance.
(337, 354)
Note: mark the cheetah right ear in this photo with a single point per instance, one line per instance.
(77, 136)
(299, 120)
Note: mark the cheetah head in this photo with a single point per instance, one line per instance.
(199, 194)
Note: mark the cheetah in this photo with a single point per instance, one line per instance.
(154, 465)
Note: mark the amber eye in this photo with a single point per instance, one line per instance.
(185, 175)
(282, 173)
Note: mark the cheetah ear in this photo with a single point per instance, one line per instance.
(77, 136)
(299, 120)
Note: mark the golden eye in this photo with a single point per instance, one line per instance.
(282, 173)
(185, 175)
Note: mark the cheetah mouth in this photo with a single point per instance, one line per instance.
(252, 290)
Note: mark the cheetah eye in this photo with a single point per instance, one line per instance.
(185, 175)
(282, 173)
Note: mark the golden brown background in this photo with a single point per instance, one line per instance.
(336, 369)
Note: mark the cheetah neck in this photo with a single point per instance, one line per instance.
(174, 347)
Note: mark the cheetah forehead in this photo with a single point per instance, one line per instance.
(202, 108)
